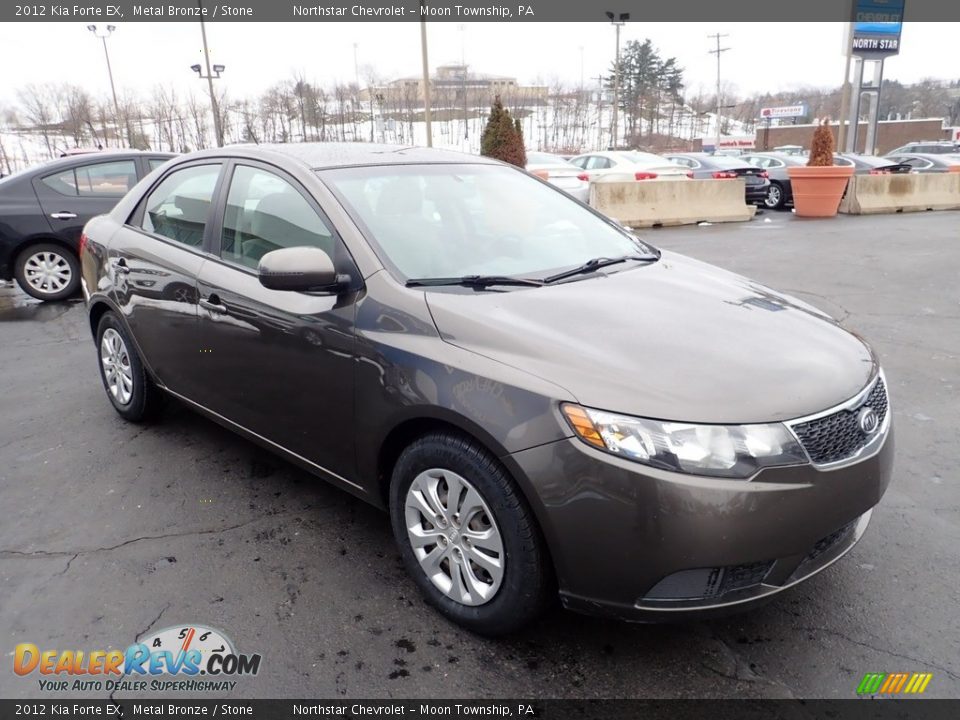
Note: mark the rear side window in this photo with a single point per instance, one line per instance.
(179, 206)
(113, 179)
(154, 163)
(264, 213)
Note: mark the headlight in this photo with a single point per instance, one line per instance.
(733, 451)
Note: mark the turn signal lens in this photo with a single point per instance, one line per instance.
(583, 177)
(82, 244)
(583, 426)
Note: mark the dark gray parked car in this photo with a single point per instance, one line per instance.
(927, 163)
(720, 167)
(543, 402)
(44, 208)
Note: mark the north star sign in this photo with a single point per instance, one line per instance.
(876, 27)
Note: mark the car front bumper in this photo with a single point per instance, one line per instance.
(647, 545)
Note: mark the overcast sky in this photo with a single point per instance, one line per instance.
(762, 56)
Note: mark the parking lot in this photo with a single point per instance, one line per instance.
(110, 530)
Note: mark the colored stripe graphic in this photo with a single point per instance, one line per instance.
(894, 683)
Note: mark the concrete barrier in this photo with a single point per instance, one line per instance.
(650, 203)
(873, 194)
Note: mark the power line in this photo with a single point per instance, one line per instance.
(717, 52)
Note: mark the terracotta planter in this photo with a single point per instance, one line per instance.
(817, 191)
(954, 168)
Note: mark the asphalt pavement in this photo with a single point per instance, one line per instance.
(110, 530)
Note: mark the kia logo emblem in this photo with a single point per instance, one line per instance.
(868, 420)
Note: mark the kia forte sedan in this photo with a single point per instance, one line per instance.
(545, 404)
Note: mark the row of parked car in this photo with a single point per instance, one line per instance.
(43, 209)
(765, 174)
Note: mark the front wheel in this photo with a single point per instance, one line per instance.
(467, 536)
(129, 388)
(48, 272)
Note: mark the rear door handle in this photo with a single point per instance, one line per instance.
(213, 305)
(63, 215)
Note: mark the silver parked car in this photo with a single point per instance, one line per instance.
(557, 171)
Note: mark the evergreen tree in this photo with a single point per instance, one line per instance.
(502, 137)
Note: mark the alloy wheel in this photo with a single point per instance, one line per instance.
(47, 272)
(774, 196)
(454, 536)
(117, 372)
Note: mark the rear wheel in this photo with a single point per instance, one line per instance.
(48, 272)
(466, 535)
(129, 388)
(775, 197)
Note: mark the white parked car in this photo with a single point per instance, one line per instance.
(557, 171)
(624, 165)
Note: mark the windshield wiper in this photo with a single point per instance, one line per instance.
(595, 264)
(477, 281)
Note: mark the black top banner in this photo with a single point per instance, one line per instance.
(487, 709)
(463, 11)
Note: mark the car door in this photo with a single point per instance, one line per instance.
(154, 261)
(278, 363)
(70, 197)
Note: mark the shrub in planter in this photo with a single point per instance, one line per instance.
(818, 187)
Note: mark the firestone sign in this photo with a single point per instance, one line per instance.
(788, 111)
(876, 27)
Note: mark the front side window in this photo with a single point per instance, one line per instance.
(441, 221)
(179, 206)
(264, 213)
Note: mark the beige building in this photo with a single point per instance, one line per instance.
(455, 86)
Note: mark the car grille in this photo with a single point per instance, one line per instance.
(838, 436)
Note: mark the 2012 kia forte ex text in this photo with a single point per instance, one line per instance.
(544, 403)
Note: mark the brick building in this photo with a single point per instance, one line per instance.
(890, 134)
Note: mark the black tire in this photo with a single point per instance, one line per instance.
(24, 270)
(527, 575)
(145, 399)
(776, 197)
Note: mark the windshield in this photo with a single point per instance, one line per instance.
(441, 221)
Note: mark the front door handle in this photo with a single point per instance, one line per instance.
(213, 305)
(63, 215)
(120, 267)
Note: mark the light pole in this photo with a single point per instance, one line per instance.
(210, 77)
(116, 106)
(618, 21)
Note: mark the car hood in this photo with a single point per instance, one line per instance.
(674, 340)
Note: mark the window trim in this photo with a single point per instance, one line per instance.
(134, 220)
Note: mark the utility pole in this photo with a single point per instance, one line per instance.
(426, 72)
(463, 83)
(618, 21)
(599, 80)
(717, 52)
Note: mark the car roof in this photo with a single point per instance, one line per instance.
(319, 156)
(78, 159)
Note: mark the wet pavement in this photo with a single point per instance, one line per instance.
(111, 530)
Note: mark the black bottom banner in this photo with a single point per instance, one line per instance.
(429, 709)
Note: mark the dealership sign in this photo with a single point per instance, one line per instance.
(788, 111)
(876, 27)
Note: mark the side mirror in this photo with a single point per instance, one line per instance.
(298, 269)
